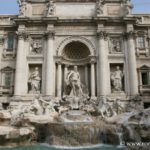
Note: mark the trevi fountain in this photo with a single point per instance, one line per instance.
(75, 74)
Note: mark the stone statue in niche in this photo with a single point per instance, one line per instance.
(35, 81)
(100, 7)
(115, 45)
(76, 94)
(51, 8)
(22, 6)
(128, 6)
(73, 80)
(116, 78)
(36, 47)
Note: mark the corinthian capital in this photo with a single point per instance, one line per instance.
(50, 34)
(58, 59)
(22, 34)
(130, 35)
(92, 59)
(102, 35)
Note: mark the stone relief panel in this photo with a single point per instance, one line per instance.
(115, 45)
(36, 46)
(34, 80)
(117, 78)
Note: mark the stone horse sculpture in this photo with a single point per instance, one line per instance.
(103, 107)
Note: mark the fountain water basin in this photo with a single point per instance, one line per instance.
(76, 116)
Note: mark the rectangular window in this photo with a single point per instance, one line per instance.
(146, 78)
(10, 43)
(7, 80)
(141, 42)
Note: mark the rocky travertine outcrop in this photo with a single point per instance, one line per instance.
(51, 122)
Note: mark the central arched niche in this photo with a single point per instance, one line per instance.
(75, 51)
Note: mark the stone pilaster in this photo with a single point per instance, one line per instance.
(50, 65)
(19, 88)
(102, 64)
(133, 79)
(1, 51)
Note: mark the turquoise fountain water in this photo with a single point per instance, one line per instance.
(47, 147)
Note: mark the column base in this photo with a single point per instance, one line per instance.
(93, 98)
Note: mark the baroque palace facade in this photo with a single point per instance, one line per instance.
(103, 40)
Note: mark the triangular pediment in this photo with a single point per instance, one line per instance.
(7, 69)
(144, 67)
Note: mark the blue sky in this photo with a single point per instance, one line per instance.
(11, 7)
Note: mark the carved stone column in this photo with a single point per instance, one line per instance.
(86, 76)
(65, 72)
(19, 88)
(102, 65)
(50, 66)
(92, 79)
(59, 79)
(133, 79)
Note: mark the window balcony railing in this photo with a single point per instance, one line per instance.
(6, 89)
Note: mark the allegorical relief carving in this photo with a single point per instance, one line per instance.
(116, 80)
(51, 8)
(100, 7)
(36, 46)
(115, 45)
(34, 82)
